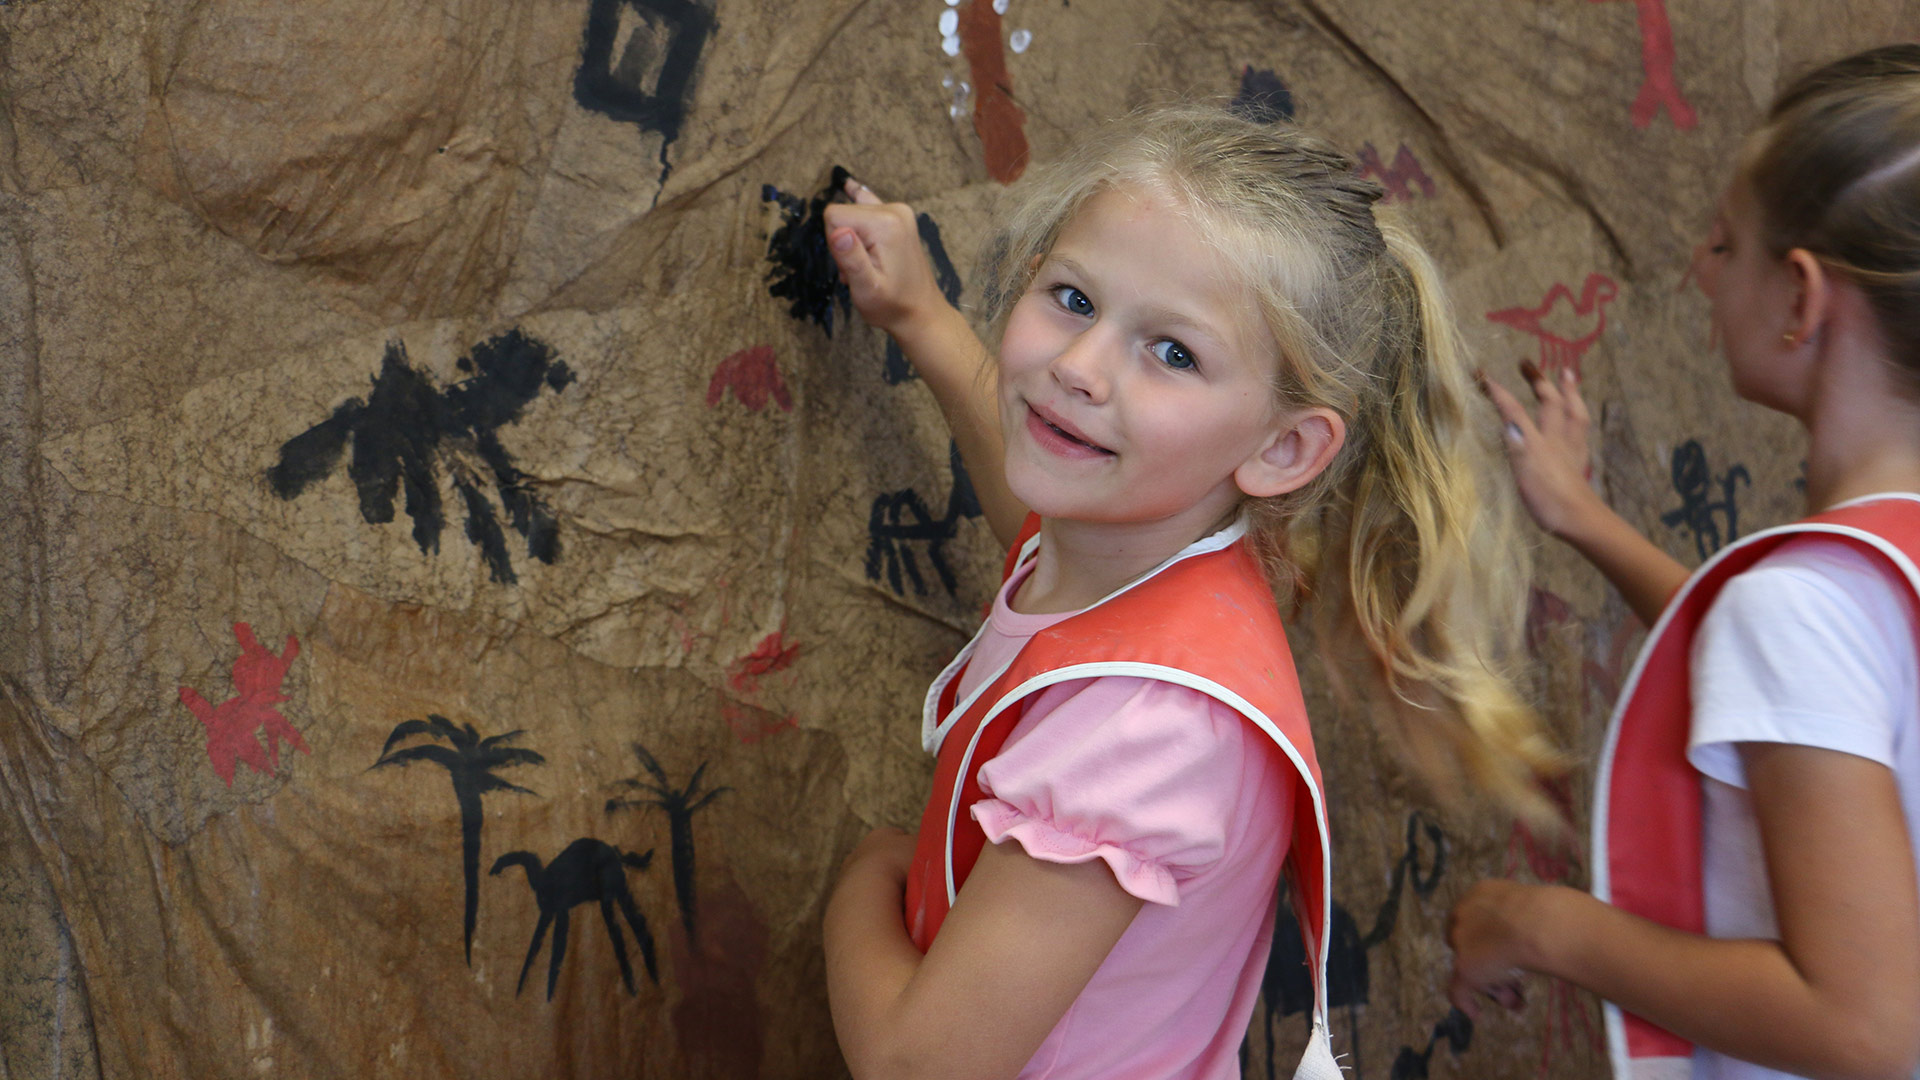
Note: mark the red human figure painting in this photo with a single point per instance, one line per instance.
(774, 653)
(231, 725)
(1659, 89)
(1399, 178)
(753, 376)
(1558, 352)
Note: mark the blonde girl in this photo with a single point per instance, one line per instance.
(1220, 379)
(1754, 911)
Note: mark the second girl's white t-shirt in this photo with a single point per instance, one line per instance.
(1815, 645)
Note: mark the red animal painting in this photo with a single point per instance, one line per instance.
(232, 725)
(1400, 178)
(774, 653)
(1558, 351)
(1659, 89)
(753, 376)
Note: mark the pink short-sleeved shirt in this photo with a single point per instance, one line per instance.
(1191, 807)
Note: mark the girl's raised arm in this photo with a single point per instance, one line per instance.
(1023, 938)
(1550, 466)
(877, 247)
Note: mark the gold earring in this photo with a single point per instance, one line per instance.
(1789, 340)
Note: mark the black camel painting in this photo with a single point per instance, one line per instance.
(587, 871)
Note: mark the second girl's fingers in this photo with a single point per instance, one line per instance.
(1543, 387)
(1518, 424)
(1570, 389)
(861, 193)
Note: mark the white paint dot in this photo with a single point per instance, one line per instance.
(1019, 40)
(951, 44)
(953, 3)
(949, 22)
(999, 7)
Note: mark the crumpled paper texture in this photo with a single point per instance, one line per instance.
(414, 498)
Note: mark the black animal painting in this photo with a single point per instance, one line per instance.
(1693, 481)
(679, 804)
(1455, 1029)
(1263, 98)
(469, 761)
(804, 273)
(900, 519)
(650, 83)
(1287, 986)
(588, 871)
(407, 429)
(896, 370)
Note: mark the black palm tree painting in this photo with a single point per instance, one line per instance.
(588, 870)
(470, 761)
(680, 805)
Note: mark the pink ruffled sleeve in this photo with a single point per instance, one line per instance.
(1145, 775)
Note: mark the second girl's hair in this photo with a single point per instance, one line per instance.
(1404, 550)
(1836, 171)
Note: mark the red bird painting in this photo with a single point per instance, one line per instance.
(1558, 352)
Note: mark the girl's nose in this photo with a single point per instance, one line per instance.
(1081, 367)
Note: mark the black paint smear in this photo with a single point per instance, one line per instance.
(1693, 481)
(1263, 98)
(804, 273)
(1455, 1029)
(469, 761)
(406, 428)
(588, 871)
(897, 370)
(651, 82)
(680, 805)
(1287, 985)
(900, 519)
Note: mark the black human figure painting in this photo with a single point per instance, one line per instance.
(651, 82)
(1287, 986)
(896, 370)
(1455, 1029)
(900, 519)
(470, 761)
(804, 273)
(407, 430)
(588, 871)
(679, 804)
(1694, 482)
(1263, 98)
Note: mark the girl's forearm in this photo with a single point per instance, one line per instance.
(870, 960)
(1646, 576)
(953, 362)
(1741, 997)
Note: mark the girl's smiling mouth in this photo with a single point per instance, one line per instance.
(1054, 433)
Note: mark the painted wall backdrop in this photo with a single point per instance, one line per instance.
(466, 576)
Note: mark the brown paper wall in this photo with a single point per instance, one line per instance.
(396, 381)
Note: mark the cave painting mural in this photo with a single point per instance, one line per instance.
(247, 727)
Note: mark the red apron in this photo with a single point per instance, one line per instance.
(1206, 620)
(1646, 813)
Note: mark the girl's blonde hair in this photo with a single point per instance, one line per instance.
(1403, 551)
(1836, 171)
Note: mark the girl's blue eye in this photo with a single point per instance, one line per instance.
(1072, 299)
(1173, 354)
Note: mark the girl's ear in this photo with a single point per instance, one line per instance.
(1296, 452)
(1813, 296)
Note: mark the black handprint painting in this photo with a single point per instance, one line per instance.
(407, 430)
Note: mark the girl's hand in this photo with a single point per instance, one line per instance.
(1551, 463)
(1489, 932)
(877, 247)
